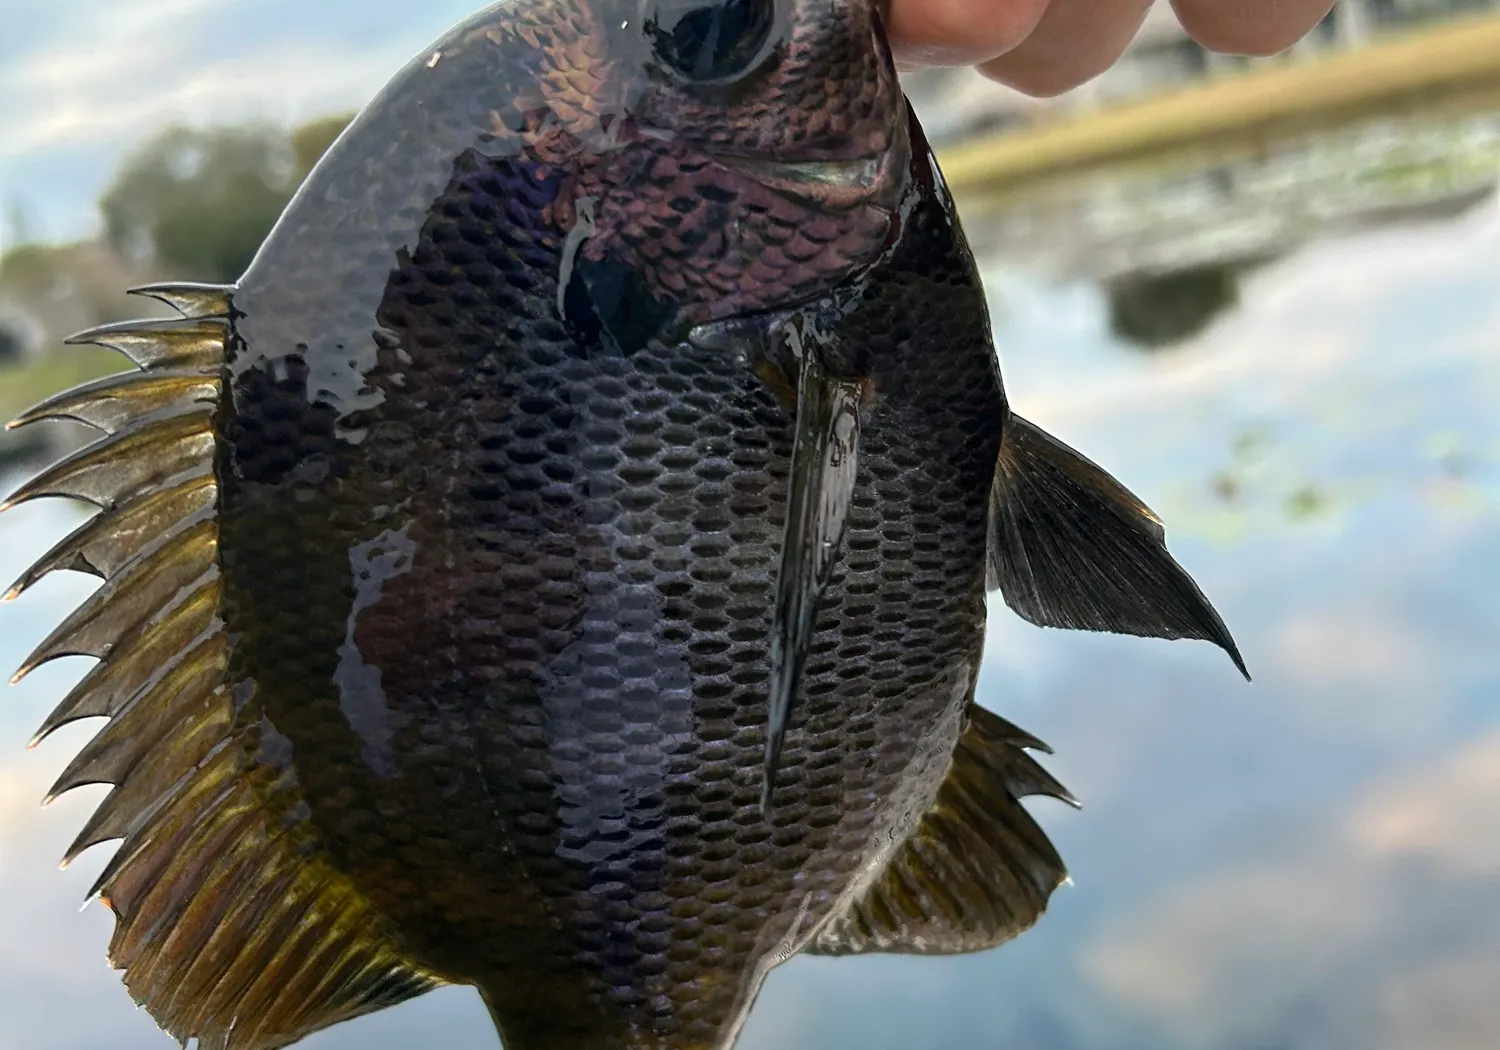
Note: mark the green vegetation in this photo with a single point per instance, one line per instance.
(200, 201)
(25, 386)
(1158, 311)
(194, 203)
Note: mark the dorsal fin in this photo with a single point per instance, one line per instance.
(231, 928)
(976, 872)
(190, 299)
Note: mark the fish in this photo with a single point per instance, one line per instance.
(559, 564)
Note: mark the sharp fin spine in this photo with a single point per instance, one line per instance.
(110, 403)
(190, 299)
(189, 343)
(108, 541)
(161, 708)
(135, 660)
(139, 592)
(152, 454)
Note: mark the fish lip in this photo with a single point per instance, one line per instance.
(830, 181)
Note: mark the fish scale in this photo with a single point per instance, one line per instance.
(610, 747)
(559, 564)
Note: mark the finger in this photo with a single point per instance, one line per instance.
(958, 32)
(1075, 41)
(1237, 27)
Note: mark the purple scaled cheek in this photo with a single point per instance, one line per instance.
(716, 243)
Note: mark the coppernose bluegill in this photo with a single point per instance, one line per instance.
(559, 564)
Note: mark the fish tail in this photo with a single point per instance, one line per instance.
(1069, 546)
(229, 929)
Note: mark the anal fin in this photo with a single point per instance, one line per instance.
(1071, 547)
(976, 872)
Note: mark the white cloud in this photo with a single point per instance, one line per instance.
(1448, 816)
(1352, 646)
(1449, 1004)
(119, 71)
(1399, 865)
(142, 70)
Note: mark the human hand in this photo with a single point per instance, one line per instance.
(1045, 47)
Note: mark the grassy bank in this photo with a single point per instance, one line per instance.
(22, 387)
(1454, 68)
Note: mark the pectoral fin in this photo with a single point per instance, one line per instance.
(976, 872)
(824, 455)
(1072, 547)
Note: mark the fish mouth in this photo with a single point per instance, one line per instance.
(827, 181)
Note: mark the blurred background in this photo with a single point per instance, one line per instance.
(1264, 293)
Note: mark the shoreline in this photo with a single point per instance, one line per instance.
(1450, 69)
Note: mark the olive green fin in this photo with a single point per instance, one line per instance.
(976, 872)
(195, 342)
(110, 403)
(1072, 547)
(230, 929)
(190, 299)
(824, 461)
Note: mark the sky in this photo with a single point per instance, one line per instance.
(1307, 862)
(84, 81)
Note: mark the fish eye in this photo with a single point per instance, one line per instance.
(706, 41)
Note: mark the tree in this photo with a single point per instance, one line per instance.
(199, 201)
(1160, 310)
(311, 141)
(12, 343)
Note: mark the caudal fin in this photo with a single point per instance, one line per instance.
(1071, 547)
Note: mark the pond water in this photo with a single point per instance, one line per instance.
(1310, 861)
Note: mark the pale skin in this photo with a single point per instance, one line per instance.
(1046, 47)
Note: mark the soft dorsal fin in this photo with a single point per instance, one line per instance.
(976, 872)
(230, 927)
(1072, 547)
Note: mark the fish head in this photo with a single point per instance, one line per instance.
(796, 92)
(726, 156)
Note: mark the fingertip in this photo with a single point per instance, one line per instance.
(1249, 29)
(1040, 80)
(1075, 42)
(959, 32)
